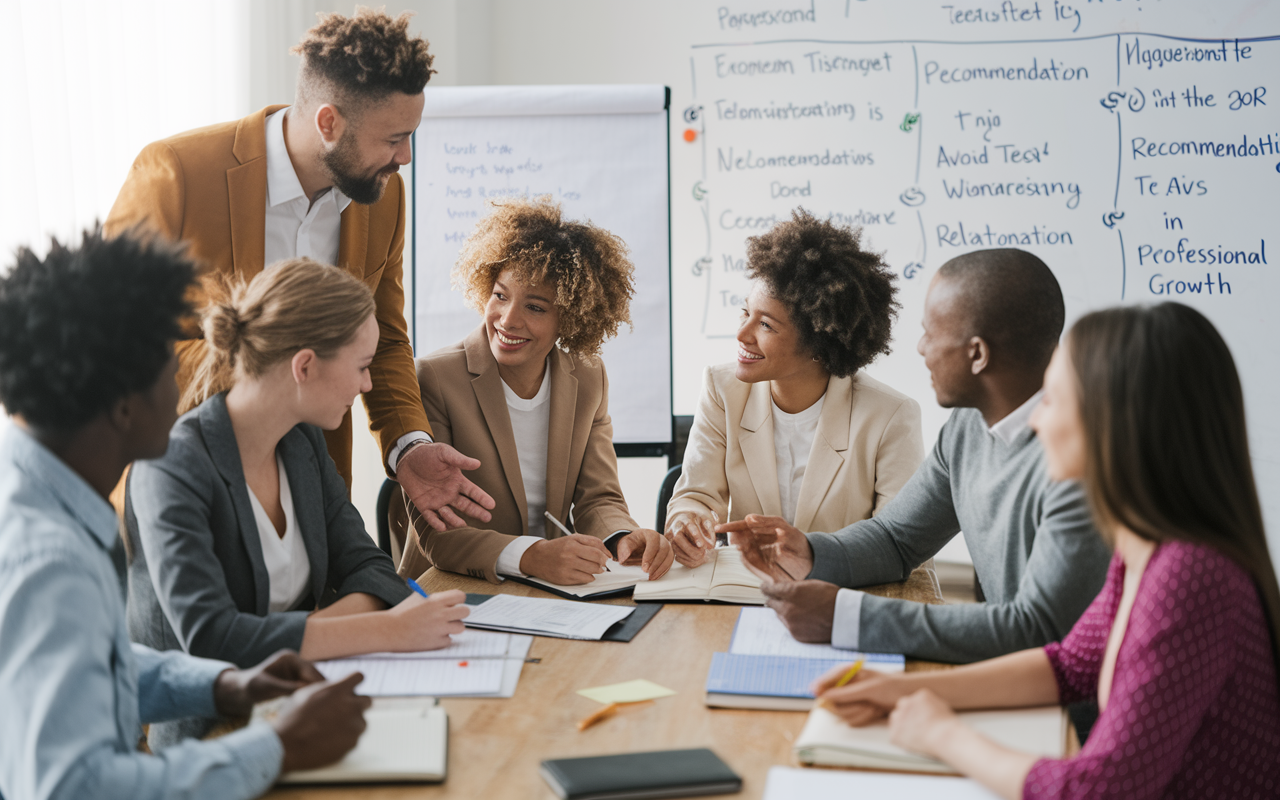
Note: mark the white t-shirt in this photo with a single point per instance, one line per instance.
(531, 424)
(792, 440)
(288, 568)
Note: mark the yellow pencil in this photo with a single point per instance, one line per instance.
(853, 671)
(844, 679)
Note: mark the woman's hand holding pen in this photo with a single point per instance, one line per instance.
(426, 623)
(566, 560)
(867, 697)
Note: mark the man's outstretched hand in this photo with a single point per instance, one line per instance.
(431, 476)
(771, 547)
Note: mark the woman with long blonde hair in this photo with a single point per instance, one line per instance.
(244, 539)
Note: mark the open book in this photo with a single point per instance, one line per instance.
(827, 741)
(407, 739)
(723, 578)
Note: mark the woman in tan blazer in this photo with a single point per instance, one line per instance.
(527, 394)
(794, 429)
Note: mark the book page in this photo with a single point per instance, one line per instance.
(732, 581)
(680, 583)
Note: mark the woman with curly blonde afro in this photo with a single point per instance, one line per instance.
(527, 394)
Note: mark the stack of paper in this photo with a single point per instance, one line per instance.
(786, 783)
(563, 619)
(828, 741)
(477, 664)
(759, 632)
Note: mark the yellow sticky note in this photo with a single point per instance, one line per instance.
(626, 692)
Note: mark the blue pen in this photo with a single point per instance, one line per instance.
(414, 586)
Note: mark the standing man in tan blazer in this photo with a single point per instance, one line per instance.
(318, 179)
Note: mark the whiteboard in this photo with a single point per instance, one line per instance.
(1082, 132)
(601, 152)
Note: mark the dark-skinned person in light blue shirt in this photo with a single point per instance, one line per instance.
(87, 370)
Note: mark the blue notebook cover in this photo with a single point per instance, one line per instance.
(767, 676)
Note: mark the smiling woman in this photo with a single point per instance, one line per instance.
(794, 429)
(527, 394)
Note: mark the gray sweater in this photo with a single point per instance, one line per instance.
(1036, 553)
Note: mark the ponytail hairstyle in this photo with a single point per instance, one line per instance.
(294, 305)
(1167, 453)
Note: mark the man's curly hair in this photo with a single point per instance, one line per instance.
(588, 266)
(362, 58)
(841, 298)
(88, 326)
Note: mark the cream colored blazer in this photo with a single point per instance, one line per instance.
(867, 445)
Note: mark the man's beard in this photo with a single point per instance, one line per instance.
(343, 161)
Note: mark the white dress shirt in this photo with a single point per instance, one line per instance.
(296, 227)
(288, 568)
(792, 440)
(847, 623)
(531, 424)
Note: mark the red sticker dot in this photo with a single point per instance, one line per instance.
(690, 134)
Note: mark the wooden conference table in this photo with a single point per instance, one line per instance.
(495, 746)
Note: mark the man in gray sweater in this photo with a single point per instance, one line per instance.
(992, 320)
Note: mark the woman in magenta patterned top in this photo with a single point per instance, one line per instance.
(1180, 647)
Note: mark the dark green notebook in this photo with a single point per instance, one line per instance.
(665, 773)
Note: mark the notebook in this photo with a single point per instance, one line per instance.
(614, 582)
(665, 773)
(770, 683)
(723, 578)
(828, 742)
(788, 783)
(407, 740)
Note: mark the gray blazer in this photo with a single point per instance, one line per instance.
(198, 581)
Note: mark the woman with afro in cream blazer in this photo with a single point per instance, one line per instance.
(527, 395)
(794, 428)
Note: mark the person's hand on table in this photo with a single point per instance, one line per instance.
(692, 536)
(566, 560)
(427, 623)
(430, 473)
(321, 723)
(921, 721)
(771, 546)
(648, 549)
(235, 691)
(807, 608)
(870, 696)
